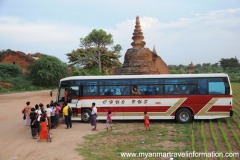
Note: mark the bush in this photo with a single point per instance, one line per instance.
(9, 70)
(47, 71)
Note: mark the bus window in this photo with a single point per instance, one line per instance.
(157, 89)
(212, 86)
(173, 89)
(113, 90)
(202, 86)
(189, 89)
(216, 88)
(90, 88)
(150, 89)
(73, 92)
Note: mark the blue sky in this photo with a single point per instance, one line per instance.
(183, 31)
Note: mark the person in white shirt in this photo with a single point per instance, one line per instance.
(53, 108)
(39, 113)
(49, 112)
(94, 116)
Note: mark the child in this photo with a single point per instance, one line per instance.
(109, 120)
(146, 121)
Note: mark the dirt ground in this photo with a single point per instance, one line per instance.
(16, 142)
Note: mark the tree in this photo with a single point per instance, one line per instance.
(231, 62)
(47, 71)
(94, 50)
(10, 70)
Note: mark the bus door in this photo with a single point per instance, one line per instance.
(63, 92)
(73, 97)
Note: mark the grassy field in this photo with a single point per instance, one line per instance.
(222, 135)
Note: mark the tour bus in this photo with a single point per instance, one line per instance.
(183, 97)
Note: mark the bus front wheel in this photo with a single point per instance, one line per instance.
(86, 116)
(184, 115)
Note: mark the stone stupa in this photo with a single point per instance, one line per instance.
(140, 60)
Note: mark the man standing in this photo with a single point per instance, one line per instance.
(94, 117)
(67, 115)
(49, 112)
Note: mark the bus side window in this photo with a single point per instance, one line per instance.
(202, 86)
(158, 90)
(216, 88)
(190, 89)
(177, 89)
(118, 91)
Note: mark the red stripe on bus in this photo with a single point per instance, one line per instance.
(219, 109)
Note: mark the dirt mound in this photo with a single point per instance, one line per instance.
(6, 85)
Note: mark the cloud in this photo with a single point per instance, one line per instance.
(39, 36)
(200, 38)
(37, 32)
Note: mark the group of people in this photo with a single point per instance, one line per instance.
(41, 119)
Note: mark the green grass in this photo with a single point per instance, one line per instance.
(193, 138)
(225, 137)
(161, 138)
(236, 121)
(204, 138)
(214, 137)
(233, 132)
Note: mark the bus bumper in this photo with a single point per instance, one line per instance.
(231, 113)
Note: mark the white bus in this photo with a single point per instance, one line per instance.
(183, 97)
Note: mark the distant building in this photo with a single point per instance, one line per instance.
(191, 68)
(140, 60)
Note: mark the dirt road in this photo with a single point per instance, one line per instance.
(16, 142)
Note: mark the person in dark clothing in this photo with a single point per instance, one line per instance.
(34, 127)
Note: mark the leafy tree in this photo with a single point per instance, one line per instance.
(234, 73)
(231, 62)
(47, 71)
(94, 51)
(117, 48)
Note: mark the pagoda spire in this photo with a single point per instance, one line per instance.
(138, 36)
(154, 50)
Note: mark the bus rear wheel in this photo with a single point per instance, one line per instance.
(86, 116)
(184, 115)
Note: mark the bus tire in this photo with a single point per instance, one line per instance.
(86, 115)
(184, 115)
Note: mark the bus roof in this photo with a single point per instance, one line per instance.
(145, 76)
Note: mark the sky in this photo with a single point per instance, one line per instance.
(182, 31)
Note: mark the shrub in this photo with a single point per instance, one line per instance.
(9, 70)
